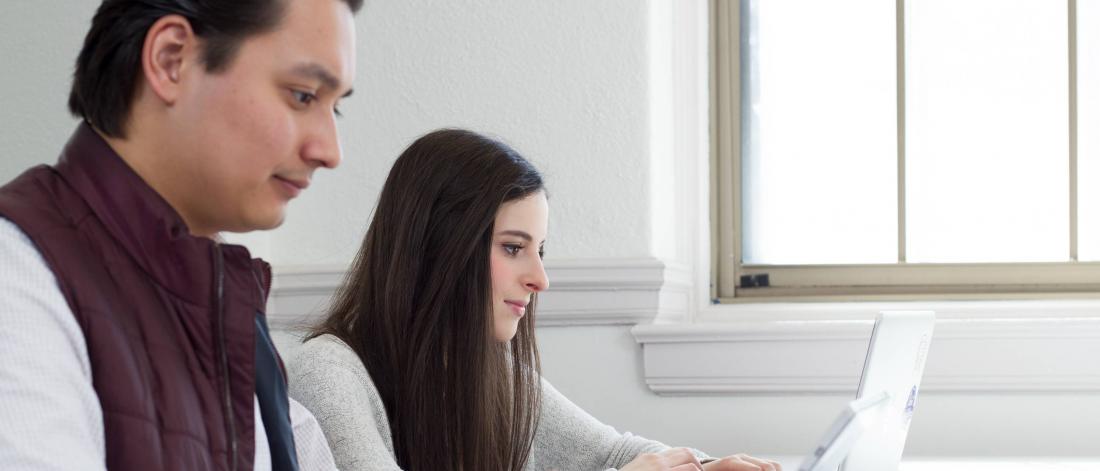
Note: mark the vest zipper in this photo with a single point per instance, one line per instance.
(260, 285)
(223, 357)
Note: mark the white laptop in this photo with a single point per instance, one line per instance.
(869, 434)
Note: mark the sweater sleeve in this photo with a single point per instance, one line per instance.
(48, 407)
(328, 379)
(568, 438)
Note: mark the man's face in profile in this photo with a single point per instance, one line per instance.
(250, 136)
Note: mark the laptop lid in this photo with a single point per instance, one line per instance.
(869, 434)
(894, 365)
(856, 417)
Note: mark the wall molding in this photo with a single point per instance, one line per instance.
(617, 291)
(967, 355)
(1027, 346)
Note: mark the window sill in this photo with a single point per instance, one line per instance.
(1006, 346)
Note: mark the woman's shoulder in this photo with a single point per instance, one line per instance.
(327, 362)
(328, 378)
(325, 346)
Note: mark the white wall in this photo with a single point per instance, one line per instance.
(39, 41)
(946, 424)
(563, 82)
(588, 90)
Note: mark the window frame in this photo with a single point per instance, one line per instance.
(863, 282)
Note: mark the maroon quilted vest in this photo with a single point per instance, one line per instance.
(168, 318)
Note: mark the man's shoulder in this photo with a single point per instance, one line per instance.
(31, 200)
(38, 176)
(11, 233)
(15, 246)
(24, 269)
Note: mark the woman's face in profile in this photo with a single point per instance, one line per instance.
(515, 260)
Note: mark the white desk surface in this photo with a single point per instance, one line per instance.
(790, 463)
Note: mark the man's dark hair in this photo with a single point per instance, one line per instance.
(109, 65)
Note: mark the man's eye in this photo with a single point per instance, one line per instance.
(303, 97)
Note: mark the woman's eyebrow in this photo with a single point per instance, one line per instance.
(520, 234)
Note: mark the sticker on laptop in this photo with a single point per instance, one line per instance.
(910, 404)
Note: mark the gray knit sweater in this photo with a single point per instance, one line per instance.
(327, 377)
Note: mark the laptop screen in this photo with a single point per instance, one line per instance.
(894, 365)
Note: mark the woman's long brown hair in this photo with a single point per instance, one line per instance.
(417, 308)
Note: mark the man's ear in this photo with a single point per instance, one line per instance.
(170, 49)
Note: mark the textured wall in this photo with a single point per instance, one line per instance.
(947, 424)
(563, 82)
(39, 40)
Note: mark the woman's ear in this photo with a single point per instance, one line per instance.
(170, 48)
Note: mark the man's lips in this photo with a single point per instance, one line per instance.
(300, 183)
(293, 186)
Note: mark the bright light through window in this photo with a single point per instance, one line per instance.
(819, 161)
(987, 131)
(1088, 125)
(987, 167)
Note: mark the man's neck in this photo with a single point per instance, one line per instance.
(143, 153)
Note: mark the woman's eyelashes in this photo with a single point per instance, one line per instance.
(513, 250)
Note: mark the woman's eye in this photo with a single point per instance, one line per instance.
(512, 250)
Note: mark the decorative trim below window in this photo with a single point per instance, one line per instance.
(967, 355)
(582, 292)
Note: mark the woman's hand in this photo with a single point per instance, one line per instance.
(742, 462)
(673, 459)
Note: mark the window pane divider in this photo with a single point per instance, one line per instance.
(1072, 27)
(900, 57)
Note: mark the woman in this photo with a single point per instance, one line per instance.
(427, 359)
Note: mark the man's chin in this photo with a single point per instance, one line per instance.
(265, 222)
(273, 223)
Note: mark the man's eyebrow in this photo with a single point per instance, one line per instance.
(317, 71)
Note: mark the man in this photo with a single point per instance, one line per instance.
(129, 337)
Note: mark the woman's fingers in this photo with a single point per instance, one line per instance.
(669, 460)
(765, 465)
(742, 462)
(676, 457)
(682, 459)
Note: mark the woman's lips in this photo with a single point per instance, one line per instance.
(518, 308)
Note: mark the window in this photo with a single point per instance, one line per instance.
(871, 149)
